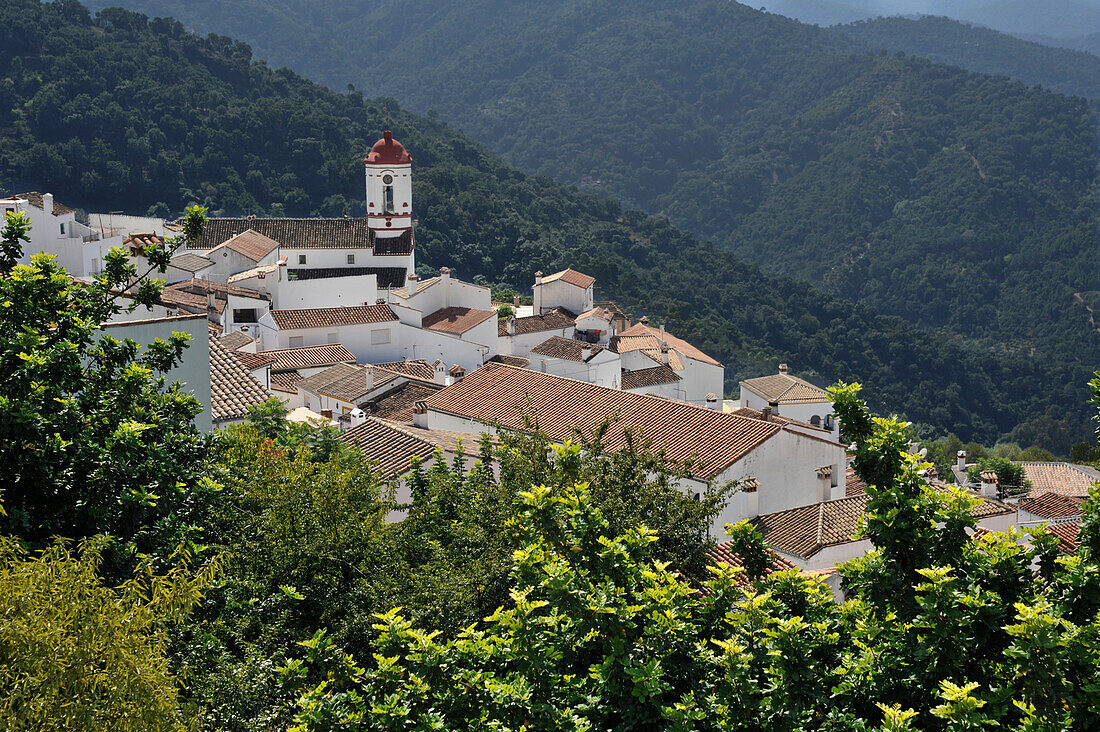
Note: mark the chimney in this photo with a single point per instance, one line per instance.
(369, 378)
(586, 352)
(537, 291)
(440, 371)
(326, 413)
(766, 414)
(961, 460)
(664, 354)
(445, 284)
(457, 372)
(782, 368)
(712, 401)
(989, 484)
(515, 303)
(420, 414)
(211, 300)
(47, 203)
(644, 320)
(412, 280)
(510, 325)
(387, 136)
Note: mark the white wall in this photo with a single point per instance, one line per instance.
(194, 368)
(700, 379)
(330, 292)
(322, 258)
(402, 195)
(592, 323)
(550, 295)
(521, 345)
(228, 262)
(603, 369)
(801, 412)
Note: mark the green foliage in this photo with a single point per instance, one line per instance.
(1011, 478)
(240, 137)
(76, 654)
(93, 440)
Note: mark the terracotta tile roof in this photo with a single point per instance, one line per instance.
(403, 243)
(685, 348)
(286, 381)
(496, 393)
(556, 319)
(647, 344)
(290, 233)
(236, 339)
(189, 301)
(456, 320)
(220, 289)
(138, 242)
(232, 388)
(786, 389)
(261, 272)
(655, 376)
(448, 441)
(571, 277)
(253, 361)
(567, 348)
(757, 414)
(403, 292)
(250, 244)
(724, 554)
(397, 404)
(307, 357)
(390, 447)
(328, 317)
(597, 312)
(190, 262)
(387, 277)
(416, 368)
(1067, 533)
(517, 361)
(346, 382)
(34, 198)
(1051, 505)
(853, 484)
(1065, 478)
(806, 530)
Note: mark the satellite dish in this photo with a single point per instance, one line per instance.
(923, 452)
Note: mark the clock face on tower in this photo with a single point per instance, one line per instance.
(387, 179)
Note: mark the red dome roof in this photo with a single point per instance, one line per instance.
(388, 151)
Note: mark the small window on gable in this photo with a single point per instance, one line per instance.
(351, 259)
(297, 341)
(301, 259)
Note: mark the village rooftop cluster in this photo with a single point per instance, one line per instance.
(329, 316)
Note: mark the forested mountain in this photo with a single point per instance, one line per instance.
(979, 49)
(950, 199)
(124, 112)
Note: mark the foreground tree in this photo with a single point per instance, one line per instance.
(92, 438)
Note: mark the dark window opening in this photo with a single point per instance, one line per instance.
(244, 315)
(815, 421)
(387, 199)
(301, 259)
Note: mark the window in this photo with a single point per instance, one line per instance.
(351, 259)
(244, 315)
(301, 259)
(387, 199)
(297, 341)
(333, 337)
(63, 229)
(379, 336)
(815, 421)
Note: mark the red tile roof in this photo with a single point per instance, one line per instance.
(390, 447)
(597, 312)
(1065, 478)
(307, 357)
(232, 388)
(34, 198)
(456, 320)
(647, 344)
(346, 382)
(1067, 533)
(1051, 505)
(641, 378)
(286, 381)
(556, 319)
(853, 484)
(806, 530)
(249, 243)
(501, 394)
(253, 361)
(571, 277)
(416, 368)
(341, 233)
(685, 348)
(236, 339)
(517, 361)
(724, 554)
(329, 317)
(786, 389)
(397, 404)
(567, 348)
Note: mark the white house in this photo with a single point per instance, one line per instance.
(575, 359)
(786, 394)
(241, 252)
(596, 325)
(518, 336)
(366, 330)
(568, 289)
(779, 468)
(55, 230)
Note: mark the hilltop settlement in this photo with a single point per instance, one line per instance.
(329, 316)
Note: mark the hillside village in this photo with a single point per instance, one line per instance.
(329, 316)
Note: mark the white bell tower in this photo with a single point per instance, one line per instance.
(389, 189)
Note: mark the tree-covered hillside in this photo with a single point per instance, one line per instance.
(124, 112)
(950, 199)
(980, 49)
